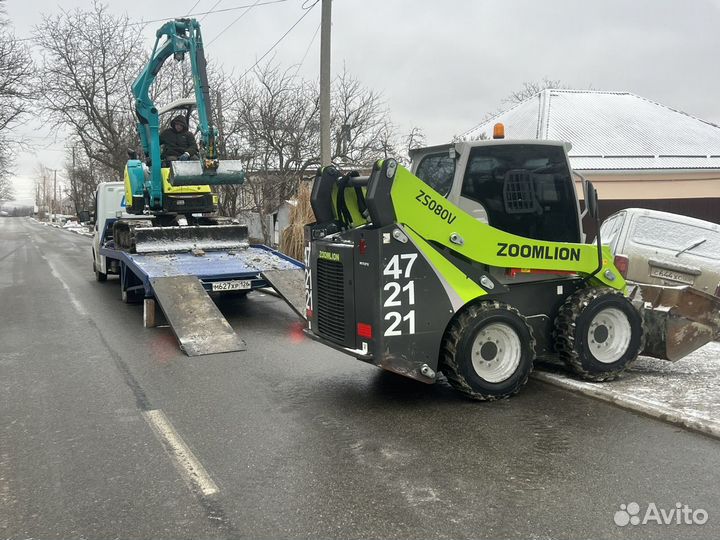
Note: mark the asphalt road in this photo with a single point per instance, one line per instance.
(299, 440)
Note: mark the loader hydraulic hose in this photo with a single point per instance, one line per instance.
(599, 249)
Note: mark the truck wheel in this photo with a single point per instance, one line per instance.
(131, 297)
(488, 351)
(99, 276)
(598, 333)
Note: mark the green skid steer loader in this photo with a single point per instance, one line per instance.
(475, 266)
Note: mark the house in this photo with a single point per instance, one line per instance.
(635, 151)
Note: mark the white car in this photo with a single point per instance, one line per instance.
(664, 249)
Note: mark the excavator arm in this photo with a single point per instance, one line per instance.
(177, 39)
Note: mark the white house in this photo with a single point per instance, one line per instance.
(636, 152)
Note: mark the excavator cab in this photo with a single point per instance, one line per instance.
(185, 199)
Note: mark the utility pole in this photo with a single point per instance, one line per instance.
(220, 125)
(325, 156)
(55, 195)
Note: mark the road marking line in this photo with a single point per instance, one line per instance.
(185, 461)
(73, 299)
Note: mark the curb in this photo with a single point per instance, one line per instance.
(654, 409)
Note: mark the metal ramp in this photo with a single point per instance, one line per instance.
(290, 285)
(193, 316)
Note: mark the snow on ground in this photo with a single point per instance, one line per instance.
(686, 392)
(690, 385)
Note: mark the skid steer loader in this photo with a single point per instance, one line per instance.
(475, 266)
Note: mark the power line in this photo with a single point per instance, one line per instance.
(232, 23)
(224, 10)
(211, 10)
(194, 6)
(307, 50)
(308, 10)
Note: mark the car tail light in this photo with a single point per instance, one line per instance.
(364, 330)
(309, 313)
(622, 263)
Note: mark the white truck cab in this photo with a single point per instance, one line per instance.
(109, 205)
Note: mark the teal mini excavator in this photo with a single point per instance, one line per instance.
(175, 197)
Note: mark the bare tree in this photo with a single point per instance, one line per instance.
(362, 129)
(413, 140)
(529, 89)
(83, 178)
(271, 123)
(16, 72)
(6, 188)
(90, 59)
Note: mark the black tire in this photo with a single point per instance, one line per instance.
(598, 333)
(486, 378)
(99, 276)
(134, 296)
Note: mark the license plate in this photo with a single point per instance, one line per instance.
(671, 275)
(234, 285)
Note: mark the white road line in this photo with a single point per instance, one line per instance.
(185, 461)
(73, 299)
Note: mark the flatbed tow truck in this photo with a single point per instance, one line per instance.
(178, 276)
(159, 229)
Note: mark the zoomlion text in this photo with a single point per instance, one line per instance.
(538, 252)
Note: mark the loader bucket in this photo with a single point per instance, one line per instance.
(187, 238)
(677, 320)
(191, 173)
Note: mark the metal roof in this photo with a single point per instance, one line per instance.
(612, 130)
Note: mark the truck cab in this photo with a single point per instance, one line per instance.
(110, 205)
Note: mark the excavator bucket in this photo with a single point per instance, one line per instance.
(191, 173)
(187, 238)
(678, 320)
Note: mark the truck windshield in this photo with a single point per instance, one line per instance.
(526, 189)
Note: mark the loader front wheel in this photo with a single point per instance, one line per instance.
(598, 333)
(488, 351)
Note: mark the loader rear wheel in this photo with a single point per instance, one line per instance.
(598, 333)
(488, 351)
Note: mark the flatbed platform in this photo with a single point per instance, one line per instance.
(242, 264)
(178, 284)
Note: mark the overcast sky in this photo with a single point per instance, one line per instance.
(442, 65)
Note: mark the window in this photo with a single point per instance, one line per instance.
(437, 171)
(610, 231)
(676, 236)
(526, 189)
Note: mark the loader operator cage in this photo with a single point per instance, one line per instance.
(525, 189)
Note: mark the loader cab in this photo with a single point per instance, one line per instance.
(521, 187)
